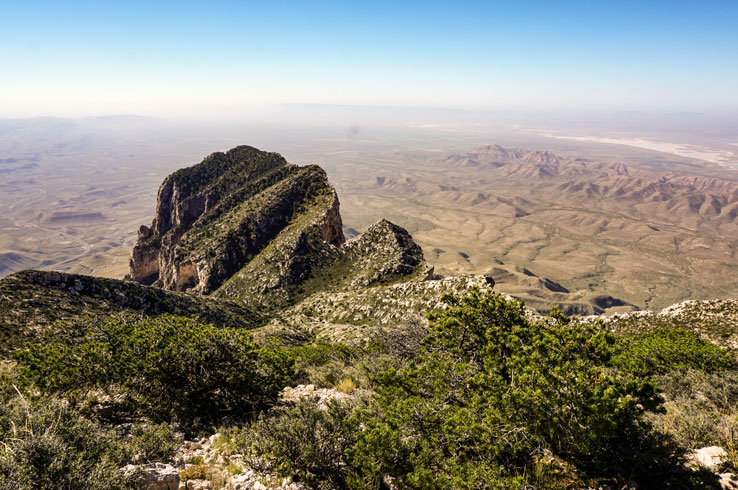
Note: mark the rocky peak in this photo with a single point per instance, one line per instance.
(385, 251)
(267, 235)
(300, 262)
(213, 218)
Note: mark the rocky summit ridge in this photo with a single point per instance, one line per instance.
(247, 239)
(249, 228)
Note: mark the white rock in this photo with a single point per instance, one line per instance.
(198, 485)
(710, 457)
(728, 481)
(155, 476)
(241, 482)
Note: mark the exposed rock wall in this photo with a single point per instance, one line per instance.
(186, 276)
(213, 218)
(332, 226)
(144, 262)
(173, 216)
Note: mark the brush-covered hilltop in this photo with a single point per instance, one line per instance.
(252, 346)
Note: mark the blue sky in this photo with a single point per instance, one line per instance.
(183, 58)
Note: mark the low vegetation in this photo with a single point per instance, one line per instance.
(483, 397)
(46, 443)
(490, 391)
(173, 368)
(701, 410)
(666, 350)
(494, 400)
(306, 442)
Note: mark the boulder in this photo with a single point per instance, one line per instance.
(728, 481)
(710, 457)
(154, 476)
(198, 485)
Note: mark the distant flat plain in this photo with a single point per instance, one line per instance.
(586, 222)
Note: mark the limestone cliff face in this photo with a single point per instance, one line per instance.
(332, 226)
(175, 213)
(144, 262)
(215, 217)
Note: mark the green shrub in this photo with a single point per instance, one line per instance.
(327, 365)
(48, 445)
(153, 442)
(400, 341)
(490, 389)
(177, 368)
(322, 364)
(666, 349)
(303, 441)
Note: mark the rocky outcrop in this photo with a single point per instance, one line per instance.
(154, 476)
(320, 396)
(300, 262)
(186, 276)
(212, 219)
(332, 226)
(247, 226)
(223, 469)
(383, 252)
(709, 457)
(144, 262)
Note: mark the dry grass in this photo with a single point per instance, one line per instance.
(346, 385)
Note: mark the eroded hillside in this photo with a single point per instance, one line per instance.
(593, 236)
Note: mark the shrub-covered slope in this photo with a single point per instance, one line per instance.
(715, 320)
(32, 300)
(340, 382)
